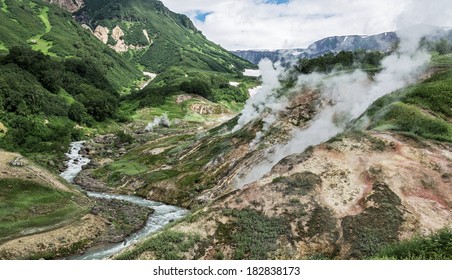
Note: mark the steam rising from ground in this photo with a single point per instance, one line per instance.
(350, 95)
(158, 121)
(266, 99)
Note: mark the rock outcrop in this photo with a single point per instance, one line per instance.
(101, 33)
(70, 5)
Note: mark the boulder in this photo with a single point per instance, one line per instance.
(17, 162)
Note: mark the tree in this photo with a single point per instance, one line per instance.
(77, 112)
(99, 104)
(443, 47)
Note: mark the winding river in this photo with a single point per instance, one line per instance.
(163, 214)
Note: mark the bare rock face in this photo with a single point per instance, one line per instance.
(147, 36)
(117, 33)
(101, 33)
(84, 26)
(183, 97)
(301, 108)
(70, 5)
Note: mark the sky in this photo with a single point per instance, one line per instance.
(283, 24)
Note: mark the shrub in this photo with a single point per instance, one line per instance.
(252, 234)
(434, 247)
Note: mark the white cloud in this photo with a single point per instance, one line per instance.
(252, 24)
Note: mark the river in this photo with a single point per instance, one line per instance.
(163, 214)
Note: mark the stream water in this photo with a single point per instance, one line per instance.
(163, 214)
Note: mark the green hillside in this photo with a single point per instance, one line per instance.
(174, 39)
(57, 80)
(54, 77)
(49, 29)
(43, 99)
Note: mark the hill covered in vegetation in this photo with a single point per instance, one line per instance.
(159, 38)
(47, 28)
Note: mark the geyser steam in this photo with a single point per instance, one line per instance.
(350, 95)
(158, 121)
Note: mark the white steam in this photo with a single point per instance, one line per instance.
(264, 100)
(162, 121)
(350, 96)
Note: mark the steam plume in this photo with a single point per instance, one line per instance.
(350, 94)
(158, 121)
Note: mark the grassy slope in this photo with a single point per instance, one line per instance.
(34, 200)
(159, 94)
(27, 205)
(39, 44)
(437, 246)
(424, 109)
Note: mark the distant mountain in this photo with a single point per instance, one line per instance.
(380, 42)
(150, 34)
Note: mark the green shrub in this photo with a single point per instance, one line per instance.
(98, 103)
(252, 234)
(123, 138)
(437, 246)
(168, 245)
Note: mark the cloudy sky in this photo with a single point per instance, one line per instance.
(275, 24)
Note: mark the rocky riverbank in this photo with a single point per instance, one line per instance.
(88, 183)
(127, 219)
(123, 218)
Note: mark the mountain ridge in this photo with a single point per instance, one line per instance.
(382, 42)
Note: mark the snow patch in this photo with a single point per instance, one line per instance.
(251, 73)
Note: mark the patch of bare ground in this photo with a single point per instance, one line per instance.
(72, 238)
(30, 171)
